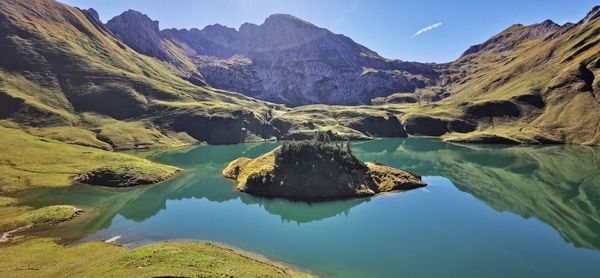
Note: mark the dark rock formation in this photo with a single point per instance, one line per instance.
(378, 126)
(425, 125)
(93, 13)
(587, 76)
(314, 171)
(9, 105)
(534, 100)
(500, 108)
(461, 126)
(221, 128)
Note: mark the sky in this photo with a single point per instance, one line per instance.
(410, 30)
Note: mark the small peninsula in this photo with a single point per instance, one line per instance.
(316, 171)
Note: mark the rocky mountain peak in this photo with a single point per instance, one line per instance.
(514, 35)
(593, 14)
(139, 32)
(135, 17)
(285, 59)
(547, 26)
(248, 27)
(277, 19)
(216, 28)
(94, 14)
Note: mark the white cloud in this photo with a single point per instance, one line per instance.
(428, 28)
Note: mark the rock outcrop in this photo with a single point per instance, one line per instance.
(139, 32)
(314, 171)
(126, 176)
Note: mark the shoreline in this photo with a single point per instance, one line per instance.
(255, 256)
(6, 235)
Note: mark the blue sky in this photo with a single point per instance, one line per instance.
(385, 26)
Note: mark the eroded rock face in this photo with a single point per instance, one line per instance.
(315, 171)
(461, 126)
(379, 126)
(425, 125)
(498, 108)
(139, 32)
(284, 60)
(223, 128)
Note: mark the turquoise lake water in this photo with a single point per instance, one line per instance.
(488, 211)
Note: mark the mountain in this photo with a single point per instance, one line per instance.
(528, 84)
(284, 60)
(70, 92)
(141, 33)
(533, 83)
(74, 90)
(71, 85)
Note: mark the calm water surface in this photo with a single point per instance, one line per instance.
(489, 211)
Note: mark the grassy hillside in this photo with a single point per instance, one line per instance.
(44, 258)
(30, 161)
(532, 83)
(60, 68)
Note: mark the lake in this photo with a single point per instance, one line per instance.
(488, 211)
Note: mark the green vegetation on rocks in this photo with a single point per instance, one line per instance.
(50, 215)
(125, 175)
(30, 161)
(15, 218)
(316, 170)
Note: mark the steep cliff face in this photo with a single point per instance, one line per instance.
(142, 34)
(284, 60)
(139, 32)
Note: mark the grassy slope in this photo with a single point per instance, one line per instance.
(60, 64)
(29, 161)
(544, 65)
(44, 258)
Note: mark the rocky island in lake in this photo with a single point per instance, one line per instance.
(316, 170)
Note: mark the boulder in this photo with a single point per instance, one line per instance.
(461, 126)
(500, 108)
(378, 126)
(424, 125)
(125, 176)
